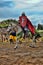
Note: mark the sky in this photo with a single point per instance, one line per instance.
(12, 9)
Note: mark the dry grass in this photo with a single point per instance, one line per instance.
(23, 55)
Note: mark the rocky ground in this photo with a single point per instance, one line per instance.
(23, 55)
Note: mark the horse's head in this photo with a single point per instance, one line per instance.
(15, 28)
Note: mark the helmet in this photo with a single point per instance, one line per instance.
(23, 14)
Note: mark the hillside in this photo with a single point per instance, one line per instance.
(5, 23)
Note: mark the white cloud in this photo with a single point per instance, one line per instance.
(36, 19)
(1, 19)
(27, 1)
(32, 1)
(26, 6)
(29, 4)
(37, 7)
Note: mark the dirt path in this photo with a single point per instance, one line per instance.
(23, 55)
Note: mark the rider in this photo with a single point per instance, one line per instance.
(12, 36)
(26, 25)
(12, 33)
(23, 23)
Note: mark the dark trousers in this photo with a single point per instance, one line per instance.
(25, 32)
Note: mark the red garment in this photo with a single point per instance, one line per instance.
(24, 21)
(30, 26)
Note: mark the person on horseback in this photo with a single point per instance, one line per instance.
(12, 37)
(23, 24)
(26, 25)
(12, 29)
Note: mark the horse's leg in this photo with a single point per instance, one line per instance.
(16, 46)
(33, 44)
(34, 40)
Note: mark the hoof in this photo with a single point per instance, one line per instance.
(15, 47)
(33, 46)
